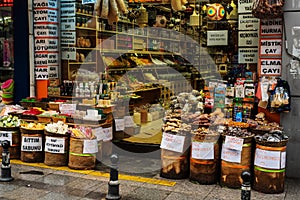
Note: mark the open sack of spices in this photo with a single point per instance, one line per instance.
(266, 9)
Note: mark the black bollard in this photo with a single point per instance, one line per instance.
(113, 184)
(246, 186)
(5, 167)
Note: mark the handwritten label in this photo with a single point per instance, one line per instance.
(45, 59)
(67, 9)
(283, 160)
(270, 67)
(120, 124)
(45, 15)
(4, 135)
(270, 47)
(267, 159)
(41, 73)
(235, 143)
(46, 44)
(98, 132)
(68, 37)
(45, 4)
(203, 150)
(245, 6)
(129, 121)
(248, 22)
(271, 27)
(32, 144)
(217, 38)
(68, 24)
(248, 38)
(231, 155)
(107, 134)
(172, 142)
(68, 53)
(90, 146)
(248, 55)
(55, 145)
(46, 30)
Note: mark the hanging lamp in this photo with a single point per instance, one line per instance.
(194, 18)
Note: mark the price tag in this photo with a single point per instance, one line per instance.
(231, 155)
(119, 124)
(267, 159)
(107, 134)
(68, 53)
(172, 142)
(129, 121)
(5, 136)
(98, 132)
(283, 160)
(32, 144)
(203, 150)
(55, 145)
(235, 143)
(90, 146)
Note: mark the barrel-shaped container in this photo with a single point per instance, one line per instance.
(56, 149)
(32, 141)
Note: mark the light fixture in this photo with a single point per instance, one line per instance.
(194, 18)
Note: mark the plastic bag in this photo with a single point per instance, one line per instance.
(266, 9)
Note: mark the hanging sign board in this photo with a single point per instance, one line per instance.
(270, 47)
(4, 135)
(68, 37)
(45, 59)
(46, 44)
(248, 55)
(68, 53)
(55, 145)
(45, 4)
(270, 67)
(68, 24)
(45, 15)
(32, 144)
(217, 38)
(46, 30)
(248, 22)
(67, 9)
(88, 1)
(271, 27)
(53, 72)
(172, 142)
(41, 73)
(248, 38)
(245, 6)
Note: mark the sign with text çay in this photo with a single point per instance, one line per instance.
(45, 15)
(46, 30)
(248, 55)
(269, 66)
(203, 150)
(41, 73)
(55, 145)
(32, 144)
(172, 142)
(68, 24)
(270, 47)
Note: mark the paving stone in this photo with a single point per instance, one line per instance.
(181, 196)
(146, 194)
(53, 195)
(25, 193)
(56, 179)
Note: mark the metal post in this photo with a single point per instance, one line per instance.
(5, 167)
(113, 184)
(246, 186)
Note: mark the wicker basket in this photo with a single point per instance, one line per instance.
(56, 119)
(53, 106)
(44, 119)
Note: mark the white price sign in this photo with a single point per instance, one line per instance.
(248, 55)
(107, 134)
(248, 38)
(45, 59)
(32, 144)
(235, 143)
(67, 9)
(231, 155)
(41, 73)
(90, 146)
(67, 38)
(45, 30)
(55, 145)
(267, 159)
(217, 38)
(245, 6)
(120, 124)
(4, 135)
(68, 53)
(202, 150)
(88, 1)
(270, 47)
(68, 24)
(248, 22)
(45, 15)
(53, 71)
(172, 142)
(271, 27)
(46, 44)
(271, 67)
(45, 4)
(129, 121)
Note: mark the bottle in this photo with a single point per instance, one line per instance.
(87, 92)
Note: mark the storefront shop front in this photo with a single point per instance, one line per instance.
(204, 84)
